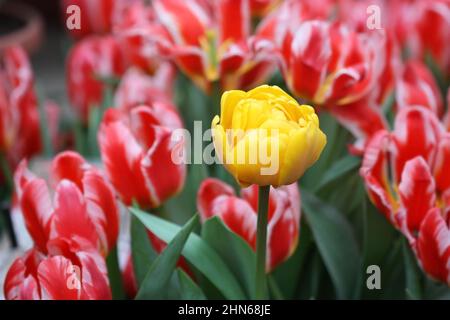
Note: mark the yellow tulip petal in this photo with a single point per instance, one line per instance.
(227, 104)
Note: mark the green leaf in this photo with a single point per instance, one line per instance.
(114, 275)
(393, 272)
(189, 290)
(141, 250)
(234, 250)
(198, 253)
(336, 242)
(413, 274)
(159, 274)
(378, 237)
(337, 170)
(288, 274)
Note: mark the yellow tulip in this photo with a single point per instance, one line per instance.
(265, 137)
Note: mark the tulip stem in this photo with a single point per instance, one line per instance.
(6, 171)
(261, 243)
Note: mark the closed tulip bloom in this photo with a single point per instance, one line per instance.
(19, 113)
(215, 198)
(90, 64)
(137, 148)
(433, 27)
(138, 88)
(265, 137)
(142, 37)
(83, 208)
(417, 87)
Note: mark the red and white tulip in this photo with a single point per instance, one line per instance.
(83, 208)
(19, 113)
(65, 272)
(433, 27)
(138, 88)
(91, 63)
(211, 41)
(215, 198)
(417, 87)
(137, 151)
(144, 40)
(416, 196)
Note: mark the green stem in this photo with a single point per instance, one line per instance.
(274, 288)
(261, 242)
(7, 172)
(115, 278)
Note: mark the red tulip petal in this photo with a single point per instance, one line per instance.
(374, 171)
(417, 192)
(143, 120)
(193, 62)
(95, 283)
(122, 155)
(283, 227)
(250, 194)
(363, 118)
(138, 88)
(143, 117)
(20, 282)
(209, 190)
(21, 177)
(37, 211)
(234, 20)
(69, 165)
(102, 208)
(238, 215)
(59, 279)
(442, 164)
(349, 84)
(71, 219)
(417, 87)
(163, 175)
(434, 246)
(187, 21)
(89, 59)
(310, 54)
(417, 132)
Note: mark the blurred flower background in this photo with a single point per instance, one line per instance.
(93, 205)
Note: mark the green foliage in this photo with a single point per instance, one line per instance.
(198, 253)
(160, 272)
(335, 241)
